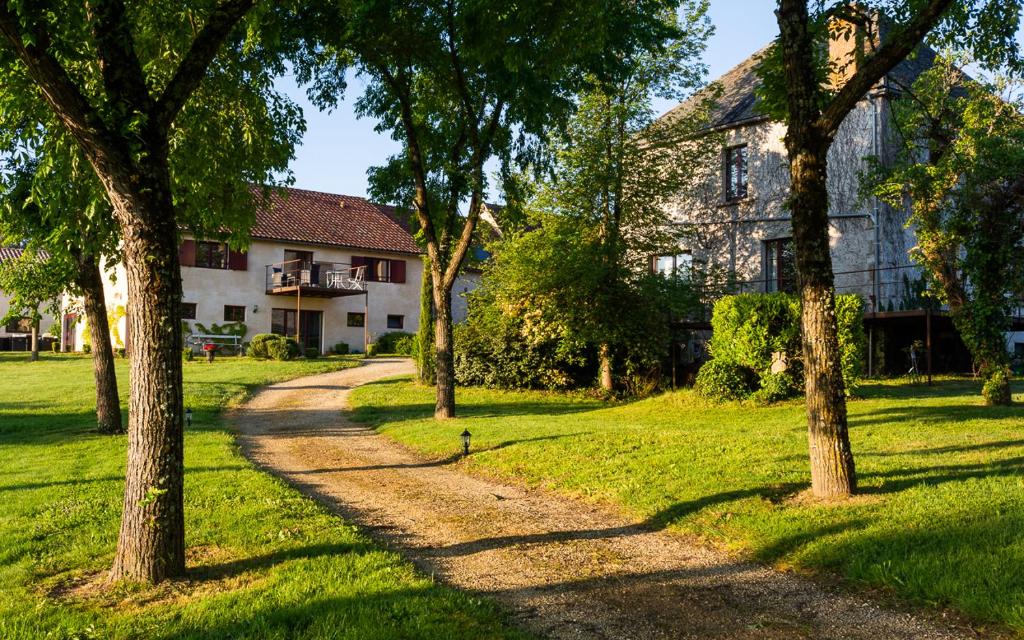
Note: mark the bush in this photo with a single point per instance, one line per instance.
(259, 343)
(86, 348)
(996, 389)
(55, 347)
(341, 348)
(312, 354)
(187, 355)
(748, 328)
(776, 387)
(397, 342)
(721, 381)
(372, 349)
(273, 346)
(121, 352)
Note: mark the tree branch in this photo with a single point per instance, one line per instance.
(63, 96)
(193, 67)
(123, 79)
(891, 52)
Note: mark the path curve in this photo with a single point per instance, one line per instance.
(564, 569)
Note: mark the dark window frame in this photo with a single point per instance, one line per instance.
(400, 323)
(736, 172)
(352, 315)
(234, 307)
(205, 254)
(189, 310)
(779, 265)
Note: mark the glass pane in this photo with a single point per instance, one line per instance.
(664, 265)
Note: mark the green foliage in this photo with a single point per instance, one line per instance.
(996, 389)
(340, 348)
(34, 284)
(425, 351)
(967, 208)
(496, 349)
(747, 329)
(187, 355)
(86, 347)
(311, 353)
(371, 349)
(396, 342)
(273, 346)
(721, 381)
(227, 329)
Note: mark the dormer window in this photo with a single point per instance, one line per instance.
(736, 173)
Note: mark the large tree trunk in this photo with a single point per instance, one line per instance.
(444, 365)
(151, 546)
(108, 404)
(832, 470)
(604, 355)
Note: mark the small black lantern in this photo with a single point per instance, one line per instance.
(466, 435)
(188, 417)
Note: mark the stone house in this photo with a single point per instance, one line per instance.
(738, 227)
(324, 267)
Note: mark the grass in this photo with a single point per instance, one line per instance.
(940, 518)
(264, 561)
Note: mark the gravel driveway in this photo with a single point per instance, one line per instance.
(563, 569)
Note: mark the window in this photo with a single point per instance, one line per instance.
(396, 321)
(20, 325)
(234, 313)
(356, 319)
(679, 265)
(188, 311)
(305, 257)
(736, 173)
(381, 269)
(211, 255)
(779, 266)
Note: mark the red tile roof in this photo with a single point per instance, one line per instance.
(13, 253)
(313, 217)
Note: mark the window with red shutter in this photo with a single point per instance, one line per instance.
(398, 271)
(187, 253)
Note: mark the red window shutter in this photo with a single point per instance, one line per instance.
(187, 253)
(238, 260)
(398, 271)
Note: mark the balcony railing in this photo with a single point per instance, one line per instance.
(315, 278)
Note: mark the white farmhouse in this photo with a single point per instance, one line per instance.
(321, 267)
(16, 335)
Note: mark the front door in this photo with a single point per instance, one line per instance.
(70, 320)
(282, 323)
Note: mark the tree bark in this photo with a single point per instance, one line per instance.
(604, 355)
(444, 366)
(807, 143)
(108, 403)
(151, 545)
(34, 355)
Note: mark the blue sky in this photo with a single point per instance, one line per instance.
(338, 148)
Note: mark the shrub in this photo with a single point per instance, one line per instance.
(398, 342)
(341, 348)
(121, 352)
(776, 387)
(996, 389)
(278, 350)
(372, 349)
(852, 341)
(312, 354)
(55, 347)
(258, 344)
(187, 355)
(721, 381)
(86, 347)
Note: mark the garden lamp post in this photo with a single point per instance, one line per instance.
(188, 417)
(466, 435)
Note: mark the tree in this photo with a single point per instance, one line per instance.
(967, 205)
(175, 134)
(71, 223)
(425, 333)
(460, 83)
(32, 282)
(601, 215)
(797, 91)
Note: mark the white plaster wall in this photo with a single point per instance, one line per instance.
(47, 320)
(464, 285)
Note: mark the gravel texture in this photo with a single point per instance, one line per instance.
(563, 569)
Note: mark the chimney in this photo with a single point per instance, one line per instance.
(852, 34)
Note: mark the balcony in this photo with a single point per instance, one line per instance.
(315, 279)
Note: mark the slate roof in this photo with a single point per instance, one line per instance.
(314, 217)
(738, 103)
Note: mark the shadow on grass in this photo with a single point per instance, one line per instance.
(952, 415)
(944, 388)
(262, 562)
(73, 482)
(900, 479)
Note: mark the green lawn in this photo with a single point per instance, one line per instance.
(264, 561)
(940, 519)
